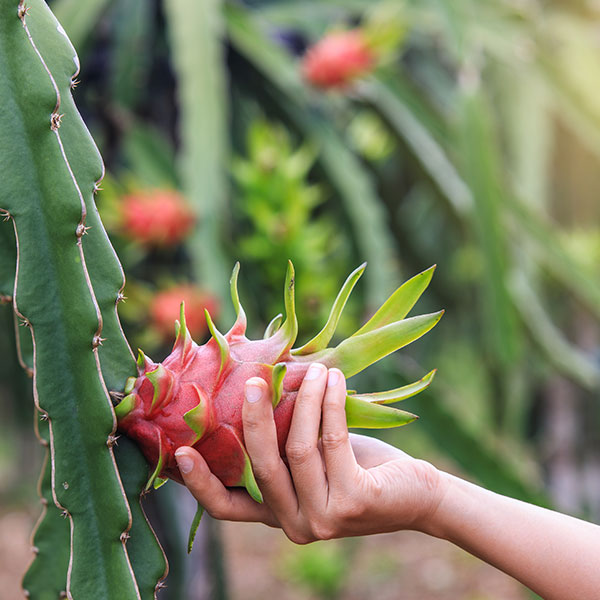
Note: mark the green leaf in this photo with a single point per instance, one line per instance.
(196, 418)
(277, 376)
(150, 155)
(285, 337)
(482, 168)
(233, 287)
(358, 352)
(399, 304)
(559, 352)
(385, 94)
(550, 253)
(183, 339)
(162, 381)
(239, 327)
(219, 338)
(125, 406)
(194, 527)
(320, 341)
(131, 51)
(159, 465)
(80, 19)
(398, 394)
(368, 415)
(248, 480)
(273, 326)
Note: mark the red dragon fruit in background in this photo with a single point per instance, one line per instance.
(156, 217)
(195, 396)
(338, 59)
(166, 303)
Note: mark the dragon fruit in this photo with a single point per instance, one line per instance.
(194, 397)
(166, 303)
(338, 59)
(156, 217)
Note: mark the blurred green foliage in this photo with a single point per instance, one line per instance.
(278, 212)
(474, 145)
(321, 568)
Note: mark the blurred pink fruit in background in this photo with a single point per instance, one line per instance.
(156, 217)
(164, 309)
(337, 59)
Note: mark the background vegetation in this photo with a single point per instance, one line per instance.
(475, 144)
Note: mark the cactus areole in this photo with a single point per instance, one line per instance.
(194, 397)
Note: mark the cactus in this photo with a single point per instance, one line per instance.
(68, 281)
(46, 578)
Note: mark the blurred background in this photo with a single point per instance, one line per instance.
(406, 133)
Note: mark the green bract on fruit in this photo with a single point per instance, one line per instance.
(194, 397)
(166, 303)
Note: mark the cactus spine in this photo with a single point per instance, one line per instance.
(67, 284)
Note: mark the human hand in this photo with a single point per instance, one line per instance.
(336, 486)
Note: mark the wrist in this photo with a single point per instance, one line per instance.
(434, 520)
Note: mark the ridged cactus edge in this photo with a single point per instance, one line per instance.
(67, 283)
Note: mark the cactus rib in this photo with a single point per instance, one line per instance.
(51, 264)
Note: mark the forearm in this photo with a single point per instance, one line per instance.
(555, 555)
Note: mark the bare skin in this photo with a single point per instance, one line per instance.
(346, 485)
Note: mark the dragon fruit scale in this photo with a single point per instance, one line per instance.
(194, 397)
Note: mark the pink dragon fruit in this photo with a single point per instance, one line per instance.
(156, 217)
(166, 303)
(338, 59)
(194, 397)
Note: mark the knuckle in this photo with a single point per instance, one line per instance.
(264, 471)
(219, 508)
(334, 439)
(217, 513)
(252, 423)
(322, 530)
(298, 451)
(299, 537)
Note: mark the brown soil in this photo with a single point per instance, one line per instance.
(15, 552)
(263, 564)
(397, 566)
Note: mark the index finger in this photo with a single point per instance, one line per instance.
(302, 450)
(337, 451)
(219, 501)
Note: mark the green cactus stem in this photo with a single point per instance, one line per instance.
(46, 578)
(67, 285)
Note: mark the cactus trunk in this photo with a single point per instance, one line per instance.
(67, 283)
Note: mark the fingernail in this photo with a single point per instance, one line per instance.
(333, 377)
(313, 371)
(253, 393)
(184, 462)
